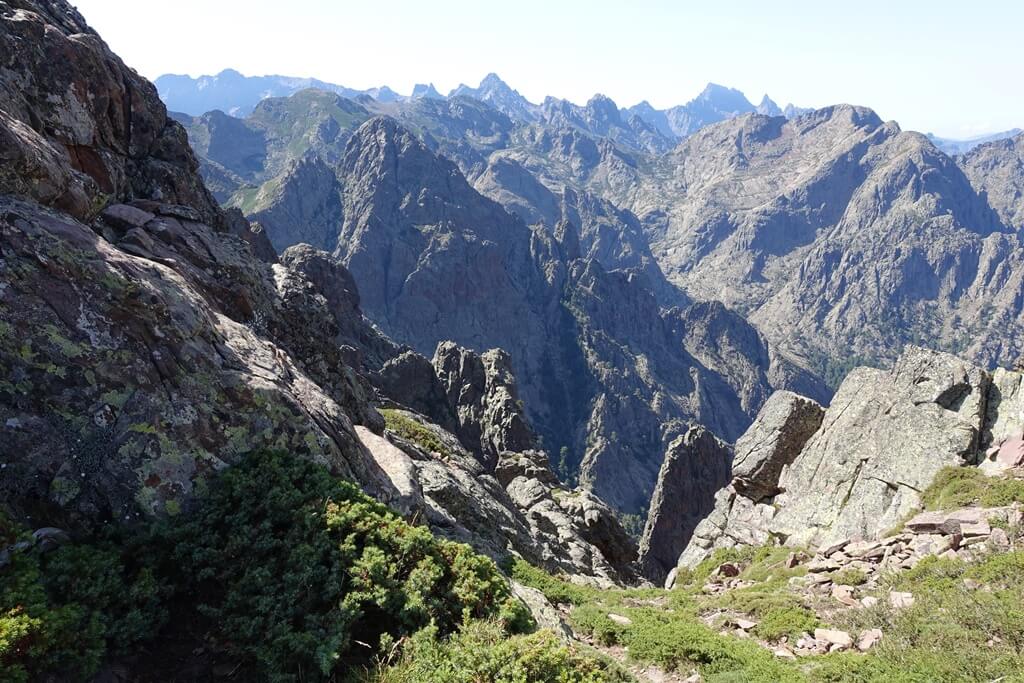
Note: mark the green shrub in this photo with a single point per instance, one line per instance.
(851, 576)
(292, 566)
(411, 430)
(482, 651)
(677, 642)
(955, 487)
(63, 612)
(791, 621)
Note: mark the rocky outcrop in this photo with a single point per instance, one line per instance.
(595, 536)
(482, 391)
(882, 440)
(879, 444)
(695, 467)
(772, 442)
(78, 128)
(518, 509)
(135, 369)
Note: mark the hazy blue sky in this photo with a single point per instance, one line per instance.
(953, 68)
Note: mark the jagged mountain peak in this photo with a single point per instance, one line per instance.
(493, 80)
(386, 132)
(603, 107)
(768, 107)
(428, 91)
(723, 96)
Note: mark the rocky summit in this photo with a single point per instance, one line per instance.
(303, 382)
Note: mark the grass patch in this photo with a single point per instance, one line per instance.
(955, 487)
(411, 430)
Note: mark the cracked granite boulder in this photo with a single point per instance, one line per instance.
(879, 444)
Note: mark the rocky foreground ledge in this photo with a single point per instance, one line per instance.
(808, 476)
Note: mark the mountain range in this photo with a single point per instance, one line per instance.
(342, 384)
(749, 251)
(231, 92)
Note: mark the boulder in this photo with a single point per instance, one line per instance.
(774, 440)
(695, 467)
(835, 639)
(1010, 454)
(900, 599)
(868, 639)
(948, 523)
(399, 469)
(544, 613)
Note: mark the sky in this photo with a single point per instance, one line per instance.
(952, 68)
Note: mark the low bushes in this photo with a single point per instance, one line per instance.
(66, 611)
(482, 651)
(285, 567)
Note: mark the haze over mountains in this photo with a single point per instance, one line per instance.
(237, 95)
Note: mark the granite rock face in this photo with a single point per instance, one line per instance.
(134, 369)
(79, 128)
(303, 206)
(882, 440)
(792, 222)
(482, 390)
(695, 467)
(879, 444)
(520, 509)
(996, 169)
